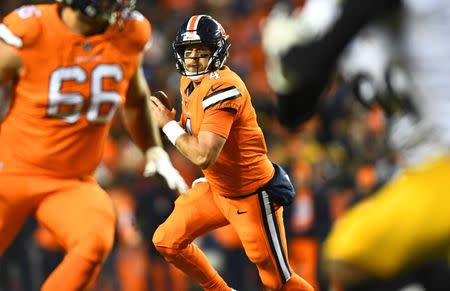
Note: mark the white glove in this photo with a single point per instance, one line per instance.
(158, 161)
(284, 28)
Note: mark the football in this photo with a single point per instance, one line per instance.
(164, 99)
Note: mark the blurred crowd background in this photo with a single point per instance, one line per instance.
(336, 159)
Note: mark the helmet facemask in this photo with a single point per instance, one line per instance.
(184, 60)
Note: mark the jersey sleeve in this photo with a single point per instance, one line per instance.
(21, 27)
(222, 96)
(218, 122)
(138, 31)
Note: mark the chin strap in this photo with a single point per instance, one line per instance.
(196, 78)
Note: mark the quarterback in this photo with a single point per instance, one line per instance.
(218, 132)
(71, 65)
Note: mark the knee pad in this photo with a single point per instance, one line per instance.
(169, 254)
(161, 239)
(163, 245)
(158, 236)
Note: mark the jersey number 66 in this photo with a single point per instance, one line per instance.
(74, 100)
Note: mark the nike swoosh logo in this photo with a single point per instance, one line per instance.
(241, 212)
(215, 88)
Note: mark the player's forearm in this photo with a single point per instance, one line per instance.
(141, 126)
(190, 147)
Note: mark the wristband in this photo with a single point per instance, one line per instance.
(173, 130)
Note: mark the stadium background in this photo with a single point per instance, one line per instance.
(336, 159)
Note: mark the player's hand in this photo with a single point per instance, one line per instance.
(162, 114)
(158, 162)
(277, 36)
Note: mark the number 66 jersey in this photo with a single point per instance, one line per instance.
(68, 91)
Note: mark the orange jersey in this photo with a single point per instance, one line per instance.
(70, 88)
(242, 166)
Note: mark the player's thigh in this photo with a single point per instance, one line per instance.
(261, 229)
(403, 224)
(195, 214)
(16, 203)
(77, 212)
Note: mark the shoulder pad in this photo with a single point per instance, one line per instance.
(137, 30)
(21, 27)
(222, 95)
(224, 76)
